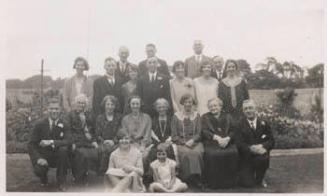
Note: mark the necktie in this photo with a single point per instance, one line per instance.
(198, 59)
(252, 125)
(51, 125)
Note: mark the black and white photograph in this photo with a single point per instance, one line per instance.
(162, 96)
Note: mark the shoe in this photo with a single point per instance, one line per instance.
(264, 184)
(62, 188)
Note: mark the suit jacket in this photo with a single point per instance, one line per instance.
(192, 67)
(101, 88)
(162, 67)
(247, 137)
(214, 75)
(124, 74)
(60, 133)
(151, 91)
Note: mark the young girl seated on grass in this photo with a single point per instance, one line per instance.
(164, 173)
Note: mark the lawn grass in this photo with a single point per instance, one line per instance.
(287, 174)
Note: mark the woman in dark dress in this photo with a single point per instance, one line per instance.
(220, 153)
(186, 134)
(161, 134)
(232, 90)
(106, 128)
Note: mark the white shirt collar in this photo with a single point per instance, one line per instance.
(153, 74)
(52, 122)
(254, 122)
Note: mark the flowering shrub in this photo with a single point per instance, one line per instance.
(292, 132)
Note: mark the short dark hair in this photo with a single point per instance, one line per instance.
(53, 100)
(109, 59)
(121, 134)
(186, 97)
(204, 63)
(226, 63)
(178, 64)
(86, 64)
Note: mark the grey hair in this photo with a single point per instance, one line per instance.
(161, 100)
(216, 99)
(81, 97)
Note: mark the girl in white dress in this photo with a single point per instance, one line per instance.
(164, 174)
(206, 88)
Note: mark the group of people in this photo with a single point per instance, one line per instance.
(145, 126)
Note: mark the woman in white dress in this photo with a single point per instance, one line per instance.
(125, 167)
(206, 88)
(180, 85)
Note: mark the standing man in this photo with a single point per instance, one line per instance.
(153, 85)
(151, 51)
(123, 65)
(254, 143)
(217, 67)
(193, 63)
(48, 146)
(109, 84)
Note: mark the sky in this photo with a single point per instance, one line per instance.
(59, 31)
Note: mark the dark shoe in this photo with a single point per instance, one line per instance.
(44, 181)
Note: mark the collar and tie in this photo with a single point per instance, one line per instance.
(152, 77)
(52, 123)
(111, 80)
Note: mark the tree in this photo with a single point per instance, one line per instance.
(244, 68)
(315, 76)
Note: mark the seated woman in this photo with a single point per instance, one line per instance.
(84, 146)
(186, 133)
(220, 153)
(106, 128)
(125, 167)
(164, 173)
(138, 126)
(161, 134)
(161, 127)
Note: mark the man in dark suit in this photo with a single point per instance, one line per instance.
(48, 146)
(193, 63)
(151, 86)
(217, 67)
(255, 141)
(109, 84)
(84, 146)
(162, 68)
(123, 66)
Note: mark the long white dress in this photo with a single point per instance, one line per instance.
(205, 89)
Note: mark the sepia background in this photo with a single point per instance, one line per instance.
(279, 45)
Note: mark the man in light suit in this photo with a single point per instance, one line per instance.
(255, 141)
(162, 68)
(109, 84)
(217, 67)
(151, 86)
(193, 63)
(123, 66)
(48, 146)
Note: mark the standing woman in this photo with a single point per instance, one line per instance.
(180, 85)
(220, 152)
(206, 88)
(232, 90)
(138, 126)
(78, 84)
(129, 88)
(106, 128)
(186, 133)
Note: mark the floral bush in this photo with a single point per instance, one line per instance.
(293, 132)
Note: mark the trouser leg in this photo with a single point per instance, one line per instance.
(41, 172)
(62, 162)
(261, 164)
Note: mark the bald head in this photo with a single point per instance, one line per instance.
(198, 47)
